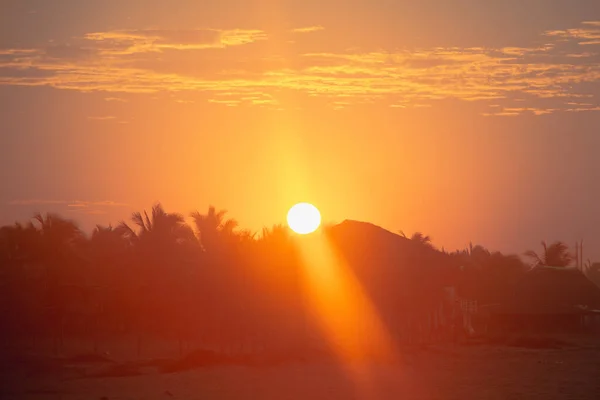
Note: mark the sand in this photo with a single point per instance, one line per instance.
(463, 372)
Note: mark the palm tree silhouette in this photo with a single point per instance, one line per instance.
(158, 244)
(108, 242)
(21, 299)
(277, 233)
(420, 238)
(555, 255)
(18, 244)
(60, 241)
(57, 233)
(160, 226)
(213, 228)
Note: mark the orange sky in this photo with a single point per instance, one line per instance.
(471, 121)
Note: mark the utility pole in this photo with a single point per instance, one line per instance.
(581, 254)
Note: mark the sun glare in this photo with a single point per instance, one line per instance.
(304, 218)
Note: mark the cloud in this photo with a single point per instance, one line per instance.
(127, 42)
(547, 77)
(589, 34)
(73, 206)
(103, 118)
(116, 99)
(229, 103)
(238, 37)
(68, 203)
(19, 72)
(307, 29)
(515, 111)
(68, 52)
(88, 211)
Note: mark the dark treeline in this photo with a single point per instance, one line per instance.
(211, 282)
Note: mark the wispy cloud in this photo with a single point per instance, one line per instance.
(548, 77)
(127, 42)
(17, 52)
(67, 203)
(103, 118)
(115, 99)
(71, 206)
(589, 34)
(88, 211)
(308, 29)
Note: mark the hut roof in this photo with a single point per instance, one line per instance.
(393, 269)
(552, 290)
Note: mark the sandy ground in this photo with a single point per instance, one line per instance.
(465, 372)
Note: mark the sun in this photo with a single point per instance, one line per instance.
(304, 218)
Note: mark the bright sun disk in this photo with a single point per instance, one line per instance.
(304, 218)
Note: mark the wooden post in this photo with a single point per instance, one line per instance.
(95, 334)
(139, 344)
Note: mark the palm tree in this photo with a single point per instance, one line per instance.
(109, 250)
(108, 243)
(213, 228)
(420, 238)
(18, 244)
(60, 243)
(277, 233)
(57, 230)
(160, 244)
(479, 254)
(20, 296)
(60, 240)
(246, 237)
(161, 225)
(555, 255)
(158, 235)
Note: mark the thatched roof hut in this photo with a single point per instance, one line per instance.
(548, 288)
(397, 273)
(549, 298)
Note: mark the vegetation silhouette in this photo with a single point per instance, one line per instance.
(555, 255)
(211, 285)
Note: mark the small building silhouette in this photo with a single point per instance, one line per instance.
(549, 299)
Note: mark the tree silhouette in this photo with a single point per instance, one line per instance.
(21, 298)
(18, 244)
(209, 281)
(278, 233)
(107, 244)
(58, 240)
(592, 271)
(555, 255)
(160, 227)
(162, 246)
(60, 251)
(213, 228)
(420, 238)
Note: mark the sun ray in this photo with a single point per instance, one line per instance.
(337, 303)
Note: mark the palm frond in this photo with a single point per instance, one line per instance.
(137, 219)
(147, 220)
